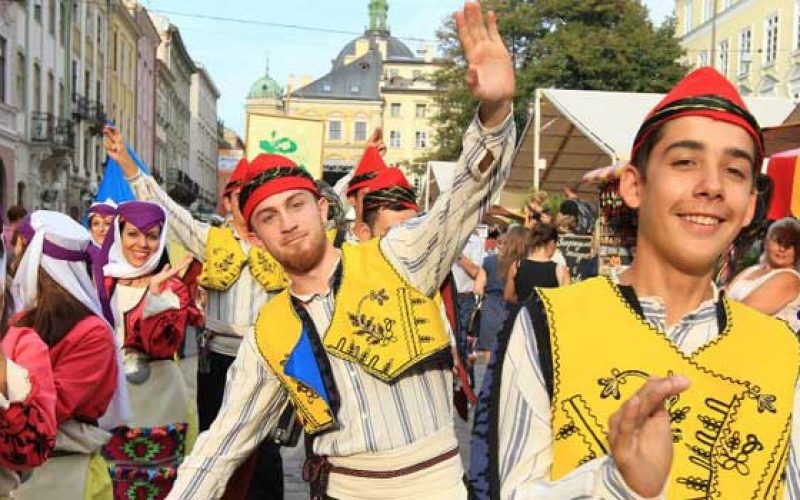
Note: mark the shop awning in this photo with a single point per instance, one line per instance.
(577, 131)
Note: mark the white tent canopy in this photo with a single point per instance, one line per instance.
(575, 131)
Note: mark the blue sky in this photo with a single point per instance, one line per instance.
(236, 53)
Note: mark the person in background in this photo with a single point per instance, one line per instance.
(27, 397)
(14, 216)
(537, 270)
(148, 306)
(773, 286)
(101, 215)
(464, 272)
(490, 284)
(55, 298)
(534, 208)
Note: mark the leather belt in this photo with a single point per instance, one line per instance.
(317, 469)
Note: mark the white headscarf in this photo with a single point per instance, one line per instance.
(54, 228)
(118, 266)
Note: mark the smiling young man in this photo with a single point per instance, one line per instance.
(652, 384)
(353, 342)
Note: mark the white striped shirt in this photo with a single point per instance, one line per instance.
(232, 311)
(525, 434)
(374, 416)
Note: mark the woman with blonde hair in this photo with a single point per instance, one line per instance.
(490, 283)
(773, 285)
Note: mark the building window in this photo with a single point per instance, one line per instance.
(355, 88)
(702, 58)
(326, 87)
(708, 10)
(3, 69)
(37, 87)
(334, 130)
(360, 131)
(51, 93)
(20, 81)
(723, 58)
(61, 94)
(767, 88)
(37, 12)
(51, 16)
(114, 55)
(394, 73)
(745, 50)
(421, 140)
(62, 23)
(422, 111)
(688, 15)
(74, 78)
(395, 139)
(797, 25)
(99, 28)
(395, 110)
(771, 39)
(417, 75)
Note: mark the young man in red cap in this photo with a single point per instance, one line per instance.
(239, 279)
(352, 342)
(652, 384)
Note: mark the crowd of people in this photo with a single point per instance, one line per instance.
(359, 333)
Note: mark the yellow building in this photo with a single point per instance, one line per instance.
(122, 50)
(375, 80)
(754, 43)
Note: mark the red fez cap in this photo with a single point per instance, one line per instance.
(236, 180)
(271, 174)
(369, 166)
(703, 92)
(389, 187)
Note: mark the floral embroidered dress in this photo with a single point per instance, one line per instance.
(144, 456)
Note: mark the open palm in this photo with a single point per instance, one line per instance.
(490, 73)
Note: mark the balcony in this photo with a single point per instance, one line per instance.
(48, 130)
(181, 187)
(80, 107)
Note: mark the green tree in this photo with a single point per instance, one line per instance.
(573, 44)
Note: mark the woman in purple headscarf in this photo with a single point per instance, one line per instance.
(147, 303)
(101, 215)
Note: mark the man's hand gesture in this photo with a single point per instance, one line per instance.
(641, 436)
(490, 74)
(114, 144)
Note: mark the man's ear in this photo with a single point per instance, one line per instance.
(254, 240)
(631, 183)
(362, 232)
(322, 204)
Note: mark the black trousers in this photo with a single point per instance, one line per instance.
(267, 479)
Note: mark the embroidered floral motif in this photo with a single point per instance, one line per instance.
(377, 332)
(734, 455)
(611, 385)
(766, 402)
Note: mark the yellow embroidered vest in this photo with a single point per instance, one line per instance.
(730, 428)
(380, 322)
(225, 260)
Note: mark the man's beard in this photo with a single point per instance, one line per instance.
(305, 259)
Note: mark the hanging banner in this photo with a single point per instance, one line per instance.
(297, 138)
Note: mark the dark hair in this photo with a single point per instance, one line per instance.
(56, 311)
(541, 235)
(370, 216)
(15, 213)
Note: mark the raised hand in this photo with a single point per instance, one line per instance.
(376, 141)
(640, 436)
(114, 144)
(490, 73)
(156, 285)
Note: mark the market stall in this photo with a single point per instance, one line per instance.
(616, 223)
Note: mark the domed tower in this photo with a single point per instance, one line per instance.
(265, 95)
